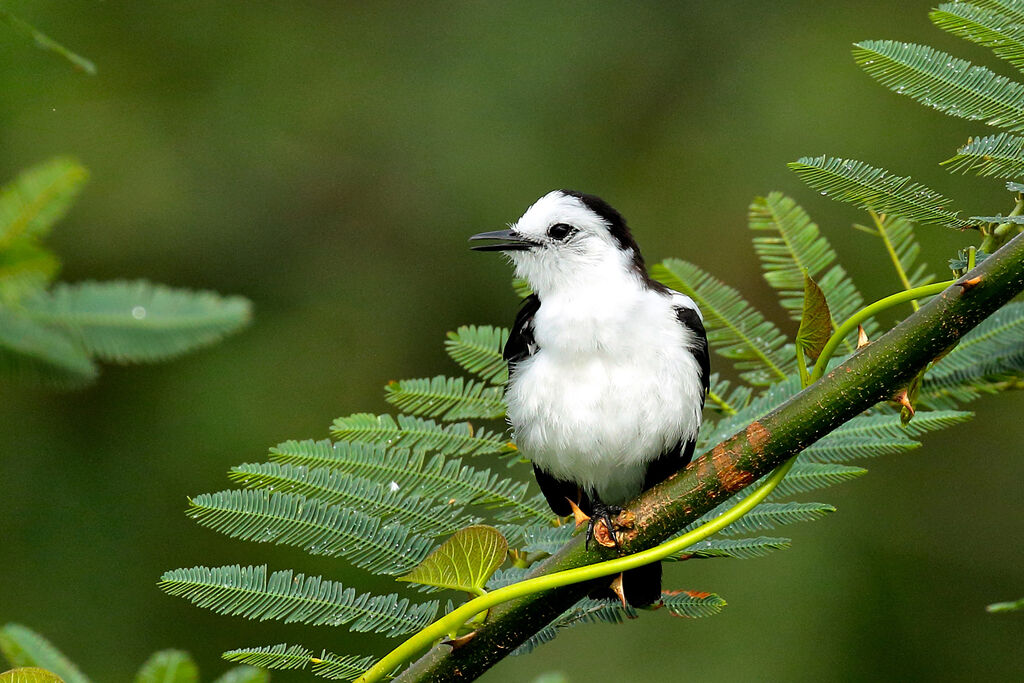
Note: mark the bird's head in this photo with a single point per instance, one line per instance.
(568, 239)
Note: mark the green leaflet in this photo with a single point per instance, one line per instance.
(994, 156)
(789, 245)
(478, 349)
(692, 604)
(291, 598)
(414, 432)
(464, 562)
(765, 515)
(387, 501)
(741, 548)
(848, 180)
(138, 321)
(35, 354)
(319, 529)
(735, 329)
(415, 471)
(1011, 9)
(38, 198)
(446, 398)
(168, 666)
(23, 647)
(1005, 36)
(45, 42)
(1014, 606)
(283, 656)
(808, 476)
(816, 321)
(943, 82)
(29, 674)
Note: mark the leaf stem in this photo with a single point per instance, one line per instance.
(459, 616)
(879, 221)
(863, 314)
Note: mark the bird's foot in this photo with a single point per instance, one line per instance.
(602, 526)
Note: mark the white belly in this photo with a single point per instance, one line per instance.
(597, 416)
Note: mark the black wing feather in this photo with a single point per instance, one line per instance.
(521, 343)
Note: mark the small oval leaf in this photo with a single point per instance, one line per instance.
(463, 562)
(816, 321)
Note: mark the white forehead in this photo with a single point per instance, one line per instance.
(556, 207)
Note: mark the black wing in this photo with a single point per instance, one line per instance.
(679, 457)
(521, 343)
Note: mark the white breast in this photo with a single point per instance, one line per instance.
(612, 387)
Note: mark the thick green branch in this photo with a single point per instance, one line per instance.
(872, 374)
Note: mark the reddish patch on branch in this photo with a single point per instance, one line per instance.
(758, 436)
(729, 478)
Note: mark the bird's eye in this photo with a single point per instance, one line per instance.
(561, 231)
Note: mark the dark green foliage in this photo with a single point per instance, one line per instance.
(941, 81)
(297, 657)
(477, 348)
(319, 529)
(446, 398)
(985, 27)
(741, 548)
(49, 336)
(289, 597)
(413, 432)
(995, 156)
(848, 180)
(333, 487)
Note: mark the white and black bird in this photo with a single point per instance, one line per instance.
(608, 369)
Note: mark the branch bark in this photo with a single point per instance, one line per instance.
(873, 374)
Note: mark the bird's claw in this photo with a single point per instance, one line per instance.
(602, 528)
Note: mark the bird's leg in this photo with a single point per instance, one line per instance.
(601, 527)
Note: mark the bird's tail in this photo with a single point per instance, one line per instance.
(641, 586)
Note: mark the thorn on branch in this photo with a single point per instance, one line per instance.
(967, 284)
(862, 338)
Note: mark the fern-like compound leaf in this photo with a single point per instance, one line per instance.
(692, 604)
(419, 515)
(943, 82)
(741, 548)
(478, 350)
(33, 354)
(726, 399)
(168, 666)
(288, 519)
(341, 667)
(868, 436)
(789, 244)
(848, 180)
(426, 476)
(808, 476)
(23, 647)
(766, 516)
(1011, 9)
(295, 598)
(995, 156)
(138, 321)
(990, 354)
(446, 398)
(988, 28)
(735, 329)
(280, 657)
(414, 432)
(38, 198)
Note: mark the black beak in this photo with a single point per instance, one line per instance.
(510, 241)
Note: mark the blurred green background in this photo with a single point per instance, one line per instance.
(328, 160)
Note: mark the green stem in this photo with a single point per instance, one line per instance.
(863, 314)
(456, 618)
(801, 366)
(893, 256)
(722, 404)
(995, 239)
